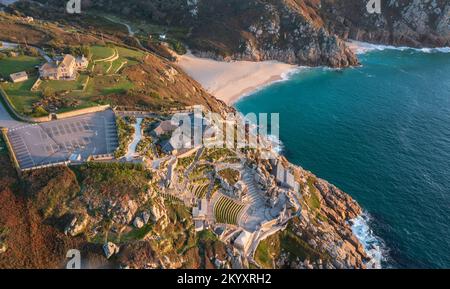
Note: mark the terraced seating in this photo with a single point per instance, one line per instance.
(199, 190)
(227, 211)
(170, 198)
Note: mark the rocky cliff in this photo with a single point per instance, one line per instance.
(321, 236)
(305, 32)
(117, 205)
(288, 31)
(416, 23)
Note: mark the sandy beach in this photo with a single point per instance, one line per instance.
(228, 81)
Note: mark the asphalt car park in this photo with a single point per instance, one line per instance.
(59, 141)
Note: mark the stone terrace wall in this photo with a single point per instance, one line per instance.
(82, 111)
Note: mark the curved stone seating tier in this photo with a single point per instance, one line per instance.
(227, 211)
(199, 190)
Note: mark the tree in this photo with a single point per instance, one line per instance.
(86, 51)
(31, 51)
(48, 92)
(40, 111)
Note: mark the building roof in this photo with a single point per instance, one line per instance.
(67, 61)
(19, 76)
(164, 127)
(286, 178)
(167, 147)
(280, 173)
(81, 59)
(290, 180)
(199, 225)
(48, 66)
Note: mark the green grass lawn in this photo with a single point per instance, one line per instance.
(101, 67)
(101, 52)
(262, 255)
(131, 56)
(137, 234)
(11, 65)
(107, 84)
(126, 56)
(118, 64)
(21, 97)
(64, 85)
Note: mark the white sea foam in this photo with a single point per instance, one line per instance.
(364, 47)
(288, 75)
(373, 245)
(283, 77)
(277, 144)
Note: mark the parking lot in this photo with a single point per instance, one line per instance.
(59, 141)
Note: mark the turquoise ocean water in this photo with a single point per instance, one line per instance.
(380, 132)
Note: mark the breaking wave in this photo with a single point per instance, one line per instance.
(278, 145)
(373, 245)
(364, 47)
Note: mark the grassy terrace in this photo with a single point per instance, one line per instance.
(230, 175)
(219, 154)
(21, 96)
(289, 242)
(59, 86)
(11, 65)
(101, 52)
(109, 59)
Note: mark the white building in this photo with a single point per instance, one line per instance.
(19, 77)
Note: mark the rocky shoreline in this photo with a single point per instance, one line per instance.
(328, 225)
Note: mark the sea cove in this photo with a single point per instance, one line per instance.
(380, 132)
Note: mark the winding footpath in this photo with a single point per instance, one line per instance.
(131, 33)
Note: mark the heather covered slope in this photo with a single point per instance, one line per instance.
(307, 32)
(30, 240)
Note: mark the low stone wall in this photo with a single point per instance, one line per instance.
(36, 84)
(46, 166)
(188, 153)
(106, 157)
(40, 119)
(82, 111)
